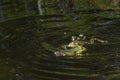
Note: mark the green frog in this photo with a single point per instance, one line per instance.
(74, 48)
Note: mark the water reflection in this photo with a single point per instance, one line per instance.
(22, 56)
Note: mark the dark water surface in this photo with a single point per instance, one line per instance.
(23, 58)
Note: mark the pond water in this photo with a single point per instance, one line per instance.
(22, 56)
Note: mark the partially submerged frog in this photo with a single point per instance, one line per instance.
(74, 48)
